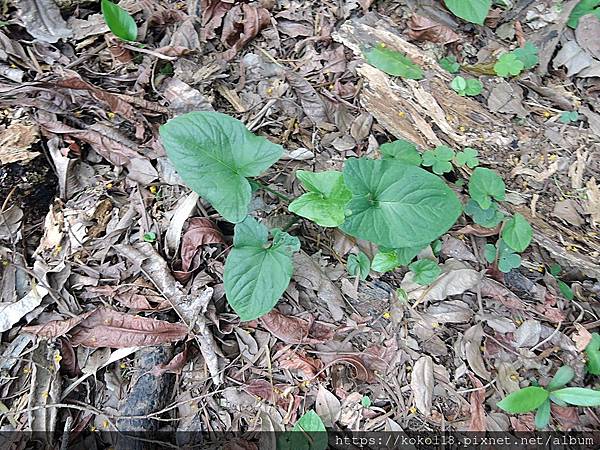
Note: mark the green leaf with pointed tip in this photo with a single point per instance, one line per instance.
(401, 150)
(386, 259)
(578, 396)
(524, 400)
(359, 265)
(393, 63)
(214, 154)
(528, 55)
(450, 64)
(468, 157)
(488, 218)
(309, 433)
(326, 199)
(439, 159)
(565, 290)
(396, 205)
(484, 185)
(119, 21)
(256, 274)
(474, 11)
(425, 271)
(517, 233)
(508, 65)
(592, 351)
(561, 378)
(542, 415)
(555, 270)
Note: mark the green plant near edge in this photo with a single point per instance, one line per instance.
(393, 62)
(466, 87)
(391, 202)
(536, 398)
(119, 21)
(474, 11)
(309, 433)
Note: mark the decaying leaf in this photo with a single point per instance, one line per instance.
(15, 141)
(422, 28)
(241, 24)
(298, 360)
(200, 231)
(105, 327)
(472, 347)
(327, 406)
(11, 313)
(293, 330)
(421, 383)
(43, 20)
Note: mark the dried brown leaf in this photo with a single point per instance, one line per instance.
(422, 28)
(200, 231)
(477, 407)
(241, 24)
(176, 364)
(421, 383)
(327, 406)
(313, 105)
(293, 330)
(298, 360)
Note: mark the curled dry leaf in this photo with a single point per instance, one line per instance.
(581, 337)
(479, 231)
(363, 371)
(422, 28)
(200, 231)
(176, 364)
(12, 312)
(104, 327)
(421, 383)
(477, 402)
(241, 24)
(213, 12)
(298, 360)
(293, 330)
(15, 141)
(472, 346)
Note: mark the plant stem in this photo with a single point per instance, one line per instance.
(285, 198)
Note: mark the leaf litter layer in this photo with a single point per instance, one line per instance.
(130, 258)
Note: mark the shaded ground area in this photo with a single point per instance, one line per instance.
(124, 241)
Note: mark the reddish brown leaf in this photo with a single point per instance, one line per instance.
(293, 330)
(495, 290)
(567, 416)
(277, 395)
(363, 373)
(424, 29)
(289, 359)
(176, 364)
(105, 327)
(213, 12)
(477, 402)
(478, 230)
(241, 24)
(200, 231)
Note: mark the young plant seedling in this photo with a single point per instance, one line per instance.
(466, 87)
(563, 287)
(583, 8)
(468, 158)
(439, 159)
(401, 150)
(505, 256)
(536, 398)
(386, 260)
(393, 62)
(474, 11)
(484, 185)
(568, 117)
(425, 271)
(528, 55)
(119, 21)
(309, 433)
(488, 218)
(592, 351)
(358, 265)
(449, 64)
(508, 65)
(517, 233)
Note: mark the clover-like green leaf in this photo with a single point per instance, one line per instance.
(466, 87)
(528, 55)
(309, 433)
(568, 116)
(401, 150)
(583, 8)
(425, 271)
(256, 274)
(508, 65)
(484, 185)
(396, 205)
(450, 64)
(517, 233)
(214, 153)
(561, 378)
(577, 396)
(359, 265)
(507, 259)
(592, 351)
(390, 259)
(542, 415)
(468, 157)
(524, 400)
(488, 218)
(474, 11)
(119, 21)
(393, 63)
(326, 199)
(439, 159)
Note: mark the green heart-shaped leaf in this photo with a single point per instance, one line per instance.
(517, 233)
(524, 400)
(309, 433)
(119, 21)
(359, 265)
(485, 184)
(396, 205)
(401, 150)
(256, 274)
(214, 153)
(326, 199)
(386, 259)
(425, 271)
(488, 218)
(474, 11)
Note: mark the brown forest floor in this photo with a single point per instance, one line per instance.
(84, 178)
